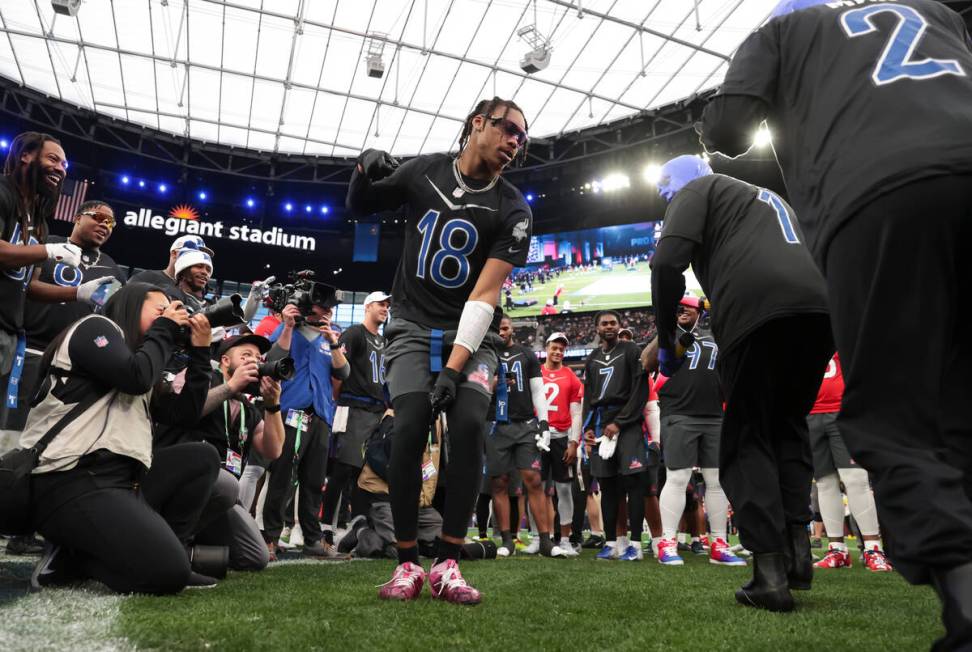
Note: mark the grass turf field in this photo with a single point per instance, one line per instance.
(595, 290)
(529, 603)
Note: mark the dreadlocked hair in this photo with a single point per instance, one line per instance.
(32, 204)
(485, 108)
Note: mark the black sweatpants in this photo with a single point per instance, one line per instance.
(770, 381)
(463, 473)
(342, 478)
(311, 463)
(898, 277)
(613, 491)
(129, 537)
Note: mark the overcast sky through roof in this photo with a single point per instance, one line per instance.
(291, 76)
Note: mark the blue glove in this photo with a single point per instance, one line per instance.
(669, 362)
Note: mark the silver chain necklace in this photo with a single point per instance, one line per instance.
(463, 188)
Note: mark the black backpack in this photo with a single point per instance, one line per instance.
(377, 448)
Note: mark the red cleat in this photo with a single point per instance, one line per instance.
(877, 562)
(835, 558)
(406, 583)
(446, 583)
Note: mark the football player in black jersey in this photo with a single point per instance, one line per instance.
(467, 228)
(360, 407)
(613, 411)
(769, 318)
(517, 440)
(691, 420)
(868, 104)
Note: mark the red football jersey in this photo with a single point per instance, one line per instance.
(831, 389)
(561, 387)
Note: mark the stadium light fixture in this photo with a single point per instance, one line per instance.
(763, 137)
(4, 143)
(652, 173)
(325, 210)
(163, 188)
(529, 197)
(125, 180)
(141, 183)
(250, 203)
(288, 207)
(615, 181)
(308, 208)
(202, 195)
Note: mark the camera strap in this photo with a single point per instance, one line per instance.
(226, 422)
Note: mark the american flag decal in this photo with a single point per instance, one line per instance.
(72, 196)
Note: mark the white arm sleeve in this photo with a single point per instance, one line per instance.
(473, 324)
(653, 418)
(576, 416)
(539, 398)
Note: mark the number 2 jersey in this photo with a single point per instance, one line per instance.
(449, 235)
(861, 98)
(748, 255)
(561, 387)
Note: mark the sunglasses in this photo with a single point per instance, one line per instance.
(509, 128)
(106, 219)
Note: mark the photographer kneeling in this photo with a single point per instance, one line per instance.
(86, 493)
(237, 428)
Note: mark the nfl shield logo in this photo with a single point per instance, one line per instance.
(101, 341)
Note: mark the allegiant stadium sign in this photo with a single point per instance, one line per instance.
(185, 219)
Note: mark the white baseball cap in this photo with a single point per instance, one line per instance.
(558, 336)
(190, 242)
(376, 296)
(189, 257)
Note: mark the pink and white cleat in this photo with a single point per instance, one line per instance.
(446, 583)
(406, 583)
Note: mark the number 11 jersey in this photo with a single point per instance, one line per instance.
(449, 235)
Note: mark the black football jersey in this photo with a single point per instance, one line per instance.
(610, 377)
(519, 364)
(44, 321)
(13, 282)
(449, 236)
(366, 355)
(862, 98)
(694, 389)
(749, 257)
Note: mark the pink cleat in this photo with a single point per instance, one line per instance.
(405, 584)
(446, 583)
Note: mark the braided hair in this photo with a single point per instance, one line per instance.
(485, 108)
(30, 201)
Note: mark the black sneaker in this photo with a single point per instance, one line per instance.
(25, 545)
(594, 542)
(350, 538)
(53, 569)
(683, 547)
(697, 548)
(200, 581)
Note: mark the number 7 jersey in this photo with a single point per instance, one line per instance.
(449, 236)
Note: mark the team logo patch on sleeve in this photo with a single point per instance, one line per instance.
(101, 341)
(480, 376)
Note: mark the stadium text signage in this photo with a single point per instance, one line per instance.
(184, 219)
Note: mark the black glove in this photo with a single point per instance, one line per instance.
(377, 164)
(444, 392)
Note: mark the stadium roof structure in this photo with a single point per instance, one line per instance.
(292, 76)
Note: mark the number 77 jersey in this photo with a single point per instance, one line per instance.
(861, 98)
(449, 234)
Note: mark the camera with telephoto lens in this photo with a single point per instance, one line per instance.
(304, 292)
(282, 369)
(228, 311)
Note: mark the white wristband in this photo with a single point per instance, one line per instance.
(473, 324)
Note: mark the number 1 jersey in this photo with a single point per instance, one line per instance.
(449, 236)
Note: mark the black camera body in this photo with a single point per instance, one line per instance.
(228, 311)
(282, 369)
(304, 292)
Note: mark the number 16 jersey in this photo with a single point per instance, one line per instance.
(449, 235)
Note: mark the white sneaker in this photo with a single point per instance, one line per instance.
(284, 540)
(534, 546)
(502, 551)
(567, 548)
(557, 551)
(296, 537)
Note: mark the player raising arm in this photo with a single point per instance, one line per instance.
(467, 228)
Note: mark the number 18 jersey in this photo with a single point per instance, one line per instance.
(449, 235)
